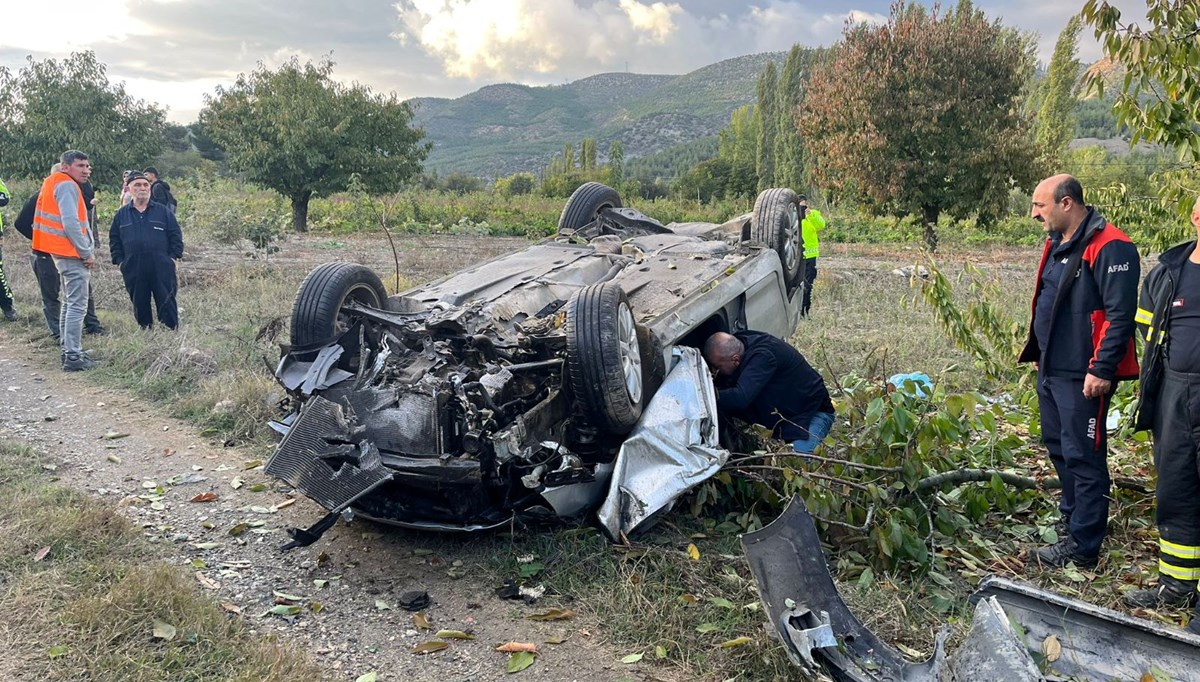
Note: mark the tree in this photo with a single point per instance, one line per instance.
(923, 115)
(1160, 94)
(587, 155)
(768, 117)
(789, 147)
(55, 105)
(1055, 124)
(297, 131)
(738, 142)
(616, 164)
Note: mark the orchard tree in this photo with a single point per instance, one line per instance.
(1160, 94)
(1055, 125)
(923, 115)
(53, 105)
(789, 146)
(297, 131)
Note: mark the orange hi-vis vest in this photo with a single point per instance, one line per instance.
(49, 233)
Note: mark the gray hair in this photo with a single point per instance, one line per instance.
(56, 167)
(71, 156)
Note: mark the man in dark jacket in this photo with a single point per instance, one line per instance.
(1081, 341)
(763, 380)
(160, 191)
(144, 240)
(6, 295)
(47, 275)
(1168, 317)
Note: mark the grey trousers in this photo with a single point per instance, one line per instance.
(47, 278)
(75, 278)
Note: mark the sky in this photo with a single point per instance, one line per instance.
(173, 52)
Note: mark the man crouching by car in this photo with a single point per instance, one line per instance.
(763, 380)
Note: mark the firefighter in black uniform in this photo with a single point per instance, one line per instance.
(1081, 340)
(144, 240)
(1168, 317)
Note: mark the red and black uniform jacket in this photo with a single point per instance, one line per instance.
(1091, 326)
(1153, 320)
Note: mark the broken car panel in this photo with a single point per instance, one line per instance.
(507, 389)
(1011, 622)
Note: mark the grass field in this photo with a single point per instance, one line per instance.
(653, 598)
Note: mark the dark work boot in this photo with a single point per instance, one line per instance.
(77, 362)
(10, 314)
(1061, 553)
(1169, 592)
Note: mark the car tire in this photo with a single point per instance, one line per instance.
(585, 204)
(315, 314)
(604, 361)
(776, 223)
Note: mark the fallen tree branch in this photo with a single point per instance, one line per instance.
(815, 458)
(981, 476)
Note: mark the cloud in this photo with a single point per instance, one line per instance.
(554, 40)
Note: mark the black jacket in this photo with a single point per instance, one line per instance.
(24, 223)
(156, 232)
(160, 191)
(774, 386)
(1091, 328)
(1153, 320)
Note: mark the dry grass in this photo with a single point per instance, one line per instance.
(86, 611)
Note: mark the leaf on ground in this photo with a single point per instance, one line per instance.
(163, 630)
(287, 597)
(454, 634)
(316, 606)
(660, 652)
(320, 583)
(284, 610)
(42, 553)
(231, 608)
(239, 529)
(519, 661)
(114, 459)
(514, 647)
(206, 545)
(429, 647)
(557, 639)
(422, 621)
(382, 605)
(114, 435)
(207, 582)
(689, 598)
(530, 570)
(694, 552)
(1159, 674)
(739, 641)
(632, 658)
(722, 602)
(205, 497)
(251, 464)
(553, 614)
(236, 483)
(258, 487)
(286, 503)
(706, 627)
(57, 650)
(1051, 648)
(369, 677)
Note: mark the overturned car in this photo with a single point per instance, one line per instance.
(507, 389)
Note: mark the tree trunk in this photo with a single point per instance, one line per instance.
(300, 210)
(929, 214)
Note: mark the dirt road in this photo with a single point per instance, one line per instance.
(151, 467)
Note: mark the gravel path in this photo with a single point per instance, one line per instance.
(151, 468)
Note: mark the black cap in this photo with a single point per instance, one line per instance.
(135, 175)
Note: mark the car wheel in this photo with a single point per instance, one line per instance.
(776, 223)
(316, 316)
(603, 357)
(585, 204)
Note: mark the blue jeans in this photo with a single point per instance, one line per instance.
(818, 428)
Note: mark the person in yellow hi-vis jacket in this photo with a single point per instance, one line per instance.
(1168, 318)
(6, 295)
(813, 223)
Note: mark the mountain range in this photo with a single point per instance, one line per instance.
(508, 128)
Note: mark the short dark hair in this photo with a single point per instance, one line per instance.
(1069, 188)
(801, 197)
(71, 156)
(150, 169)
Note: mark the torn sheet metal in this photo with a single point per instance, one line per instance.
(1097, 643)
(321, 373)
(672, 449)
(1011, 622)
